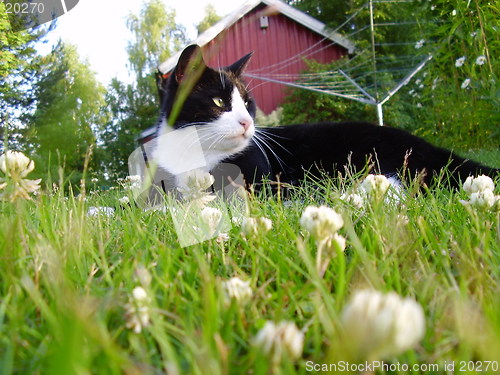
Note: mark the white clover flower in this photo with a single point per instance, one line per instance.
(124, 200)
(195, 180)
(435, 83)
(137, 310)
(382, 325)
(465, 83)
(478, 184)
(321, 221)
(133, 182)
(403, 219)
(193, 187)
(481, 60)
(222, 237)
(211, 218)
(354, 200)
(16, 166)
(420, 44)
(280, 340)
(253, 226)
(139, 294)
(375, 185)
(334, 243)
(454, 12)
(96, 211)
(484, 199)
(460, 61)
(237, 289)
(15, 163)
(480, 189)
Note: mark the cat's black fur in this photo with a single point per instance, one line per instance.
(289, 152)
(329, 147)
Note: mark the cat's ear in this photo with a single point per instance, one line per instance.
(191, 60)
(239, 66)
(161, 81)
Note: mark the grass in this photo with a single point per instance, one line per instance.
(490, 157)
(66, 278)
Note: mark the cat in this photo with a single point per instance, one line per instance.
(216, 105)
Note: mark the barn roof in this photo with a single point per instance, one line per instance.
(285, 9)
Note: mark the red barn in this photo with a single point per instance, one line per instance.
(280, 37)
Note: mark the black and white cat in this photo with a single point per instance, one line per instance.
(215, 107)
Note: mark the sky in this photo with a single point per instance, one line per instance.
(97, 28)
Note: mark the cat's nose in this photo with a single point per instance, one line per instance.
(245, 123)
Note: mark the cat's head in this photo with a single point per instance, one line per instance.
(215, 100)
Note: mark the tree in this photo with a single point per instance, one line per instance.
(211, 18)
(463, 40)
(19, 63)
(135, 107)
(69, 110)
(156, 34)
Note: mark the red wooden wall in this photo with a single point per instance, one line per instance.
(282, 39)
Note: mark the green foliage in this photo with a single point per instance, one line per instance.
(19, 63)
(303, 106)
(211, 18)
(452, 106)
(460, 99)
(69, 110)
(134, 107)
(155, 35)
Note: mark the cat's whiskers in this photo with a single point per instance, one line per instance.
(263, 141)
(257, 143)
(270, 136)
(222, 79)
(260, 84)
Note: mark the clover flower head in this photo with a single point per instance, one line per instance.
(137, 310)
(478, 184)
(124, 201)
(375, 185)
(480, 190)
(131, 182)
(485, 199)
(382, 325)
(354, 200)
(97, 211)
(15, 163)
(280, 340)
(465, 83)
(253, 226)
(335, 243)
(211, 218)
(460, 61)
(193, 187)
(481, 60)
(237, 289)
(16, 166)
(419, 44)
(196, 180)
(321, 221)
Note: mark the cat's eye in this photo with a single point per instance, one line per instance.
(218, 102)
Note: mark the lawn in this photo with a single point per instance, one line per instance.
(112, 292)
